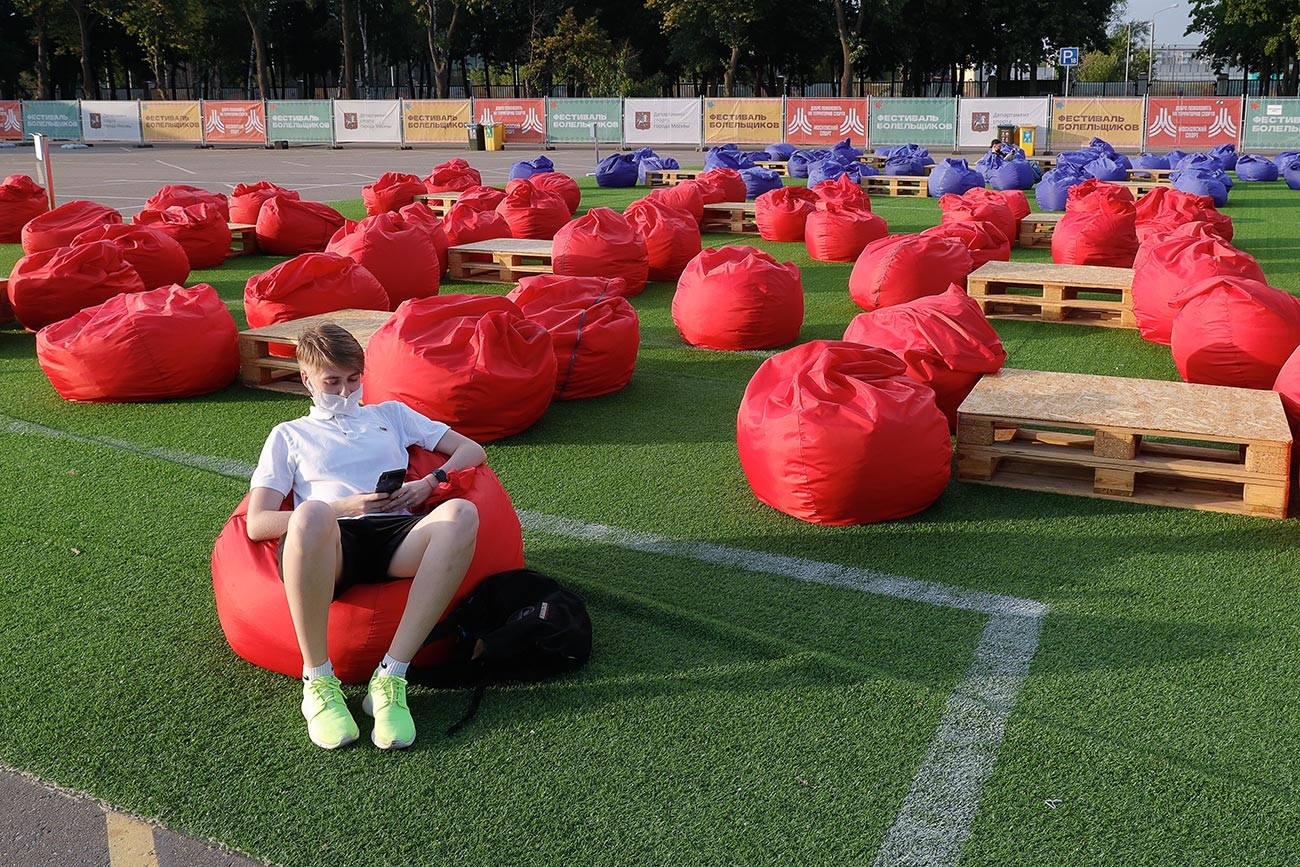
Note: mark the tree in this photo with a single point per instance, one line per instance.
(1126, 41)
(583, 56)
(1259, 35)
(255, 12)
(727, 21)
(161, 27)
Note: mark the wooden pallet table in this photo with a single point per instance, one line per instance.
(1001, 290)
(737, 217)
(873, 160)
(1148, 174)
(781, 167)
(1165, 443)
(243, 239)
(1141, 188)
(668, 177)
(6, 309)
(260, 369)
(1037, 229)
(501, 260)
(896, 185)
(440, 203)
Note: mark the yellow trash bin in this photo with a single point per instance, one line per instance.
(494, 136)
(1025, 136)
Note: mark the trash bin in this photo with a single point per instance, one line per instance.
(495, 139)
(1007, 134)
(1025, 136)
(474, 136)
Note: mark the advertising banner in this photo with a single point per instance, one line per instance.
(373, 120)
(572, 119)
(523, 118)
(823, 122)
(930, 121)
(304, 120)
(106, 120)
(11, 120)
(661, 121)
(180, 121)
(744, 121)
(1076, 120)
(435, 120)
(978, 119)
(233, 122)
(1271, 123)
(1177, 122)
(55, 119)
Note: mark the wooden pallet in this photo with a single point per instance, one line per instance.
(243, 239)
(501, 260)
(781, 167)
(1159, 175)
(6, 309)
(736, 217)
(1141, 188)
(1036, 229)
(1000, 287)
(873, 160)
(668, 177)
(1165, 443)
(896, 185)
(259, 369)
(440, 203)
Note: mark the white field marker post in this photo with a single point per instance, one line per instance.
(44, 172)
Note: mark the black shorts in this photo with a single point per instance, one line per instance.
(369, 543)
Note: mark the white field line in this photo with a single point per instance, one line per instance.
(178, 168)
(937, 815)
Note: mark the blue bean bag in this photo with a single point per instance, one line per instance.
(846, 150)
(1052, 190)
(1105, 169)
(755, 157)
(1012, 175)
(1285, 159)
(1078, 159)
(644, 154)
(780, 151)
(1102, 146)
(1175, 157)
(1122, 161)
(799, 161)
(1201, 182)
(954, 176)
(1226, 154)
(653, 164)
(887, 151)
(528, 168)
(617, 170)
(830, 169)
(1208, 166)
(1253, 167)
(911, 151)
(1291, 173)
(759, 181)
(904, 165)
(727, 157)
(1150, 161)
(1197, 161)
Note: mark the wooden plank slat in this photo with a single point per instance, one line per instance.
(501, 260)
(243, 239)
(260, 369)
(896, 185)
(738, 217)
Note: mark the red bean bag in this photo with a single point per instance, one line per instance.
(246, 200)
(391, 191)
(143, 346)
(158, 258)
(837, 433)
(1233, 331)
(531, 212)
(1287, 385)
(844, 190)
(594, 330)
(308, 285)
(287, 227)
(984, 240)
(781, 214)
(419, 215)
(454, 175)
(1168, 263)
(565, 186)
(21, 199)
(1165, 209)
(944, 340)
(1099, 226)
(979, 205)
(472, 361)
(400, 253)
(465, 225)
(254, 611)
(201, 230)
(687, 196)
(1018, 202)
(184, 195)
(482, 198)
(837, 232)
(738, 297)
(58, 227)
(726, 183)
(602, 243)
(54, 284)
(672, 237)
(901, 268)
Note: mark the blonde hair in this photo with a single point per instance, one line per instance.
(328, 344)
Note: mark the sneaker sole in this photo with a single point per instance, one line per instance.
(369, 709)
(325, 746)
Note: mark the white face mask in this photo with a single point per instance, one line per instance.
(336, 404)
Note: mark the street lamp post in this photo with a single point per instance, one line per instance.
(1128, 52)
(1151, 41)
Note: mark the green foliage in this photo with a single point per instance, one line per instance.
(582, 55)
(1107, 62)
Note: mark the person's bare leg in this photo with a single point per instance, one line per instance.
(436, 553)
(313, 558)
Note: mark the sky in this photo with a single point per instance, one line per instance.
(1169, 25)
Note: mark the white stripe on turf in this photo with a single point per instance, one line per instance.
(938, 813)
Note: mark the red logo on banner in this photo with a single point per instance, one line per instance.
(234, 121)
(643, 120)
(1197, 123)
(524, 119)
(11, 120)
(979, 121)
(825, 121)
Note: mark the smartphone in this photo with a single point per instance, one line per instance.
(390, 481)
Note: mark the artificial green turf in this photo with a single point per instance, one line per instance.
(726, 717)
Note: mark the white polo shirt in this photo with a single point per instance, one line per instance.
(328, 457)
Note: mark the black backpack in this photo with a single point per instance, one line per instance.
(516, 625)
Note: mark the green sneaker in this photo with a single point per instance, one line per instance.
(329, 724)
(386, 701)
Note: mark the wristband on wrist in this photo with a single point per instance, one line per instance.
(439, 476)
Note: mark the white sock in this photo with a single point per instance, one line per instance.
(392, 667)
(326, 669)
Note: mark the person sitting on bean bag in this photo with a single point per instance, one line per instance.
(344, 530)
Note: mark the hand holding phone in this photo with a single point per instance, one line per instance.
(390, 481)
